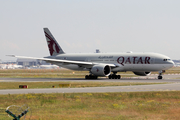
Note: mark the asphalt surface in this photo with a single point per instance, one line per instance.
(136, 88)
(173, 84)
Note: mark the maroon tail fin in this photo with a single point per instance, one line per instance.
(53, 45)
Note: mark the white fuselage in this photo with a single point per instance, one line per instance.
(123, 61)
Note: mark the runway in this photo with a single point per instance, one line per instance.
(136, 88)
(173, 84)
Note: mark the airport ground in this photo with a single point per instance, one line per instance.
(94, 99)
(62, 73)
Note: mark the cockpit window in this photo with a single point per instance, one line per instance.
(166, 59)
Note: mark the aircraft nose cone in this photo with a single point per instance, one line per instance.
(173, 64)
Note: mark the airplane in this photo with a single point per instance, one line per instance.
(104, 64)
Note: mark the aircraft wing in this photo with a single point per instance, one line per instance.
(56, 61)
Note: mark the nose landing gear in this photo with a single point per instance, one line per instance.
(160, 77)
(160, 74)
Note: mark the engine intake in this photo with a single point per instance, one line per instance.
(101, 70)
(142, 73)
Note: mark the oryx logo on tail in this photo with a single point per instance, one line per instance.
(53, 46)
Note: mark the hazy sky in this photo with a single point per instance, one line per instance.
(87, 25)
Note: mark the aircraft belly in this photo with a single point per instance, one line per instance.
(146, 67)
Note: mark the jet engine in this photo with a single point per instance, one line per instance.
(142, 73)
(101, 70)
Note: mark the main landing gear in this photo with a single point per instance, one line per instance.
(114, 76)
(91, 77)
(160, 74)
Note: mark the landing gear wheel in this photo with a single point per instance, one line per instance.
(160, 74)
(112, 76)
(118, 77)
(91, 77)
(160, 77)
(86, 77)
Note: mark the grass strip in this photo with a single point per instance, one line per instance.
(97, 106)
(15, 85)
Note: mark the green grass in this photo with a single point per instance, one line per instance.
(173, 70)
(97, 106)
(88, 106)
(15, 85)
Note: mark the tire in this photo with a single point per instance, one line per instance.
(86, 77)
(159, 77)
(94, 77)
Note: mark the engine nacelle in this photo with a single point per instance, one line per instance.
(101, 70)
(142, 73)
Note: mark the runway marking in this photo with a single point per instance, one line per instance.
(1, 80)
